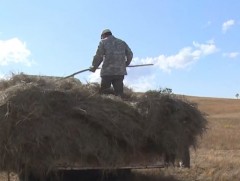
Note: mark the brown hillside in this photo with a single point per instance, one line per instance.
(219, 107)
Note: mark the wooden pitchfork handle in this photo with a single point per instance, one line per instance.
(81, 71)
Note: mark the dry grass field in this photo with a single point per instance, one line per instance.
(218, 156)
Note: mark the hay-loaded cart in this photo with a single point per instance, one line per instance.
(52, 129)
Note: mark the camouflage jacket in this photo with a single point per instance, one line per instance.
(115, 55)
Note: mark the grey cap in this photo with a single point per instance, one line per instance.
(106, 31)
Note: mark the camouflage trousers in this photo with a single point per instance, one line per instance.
(116, 81)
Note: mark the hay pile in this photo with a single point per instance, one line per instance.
(172, 124)
(45, 122)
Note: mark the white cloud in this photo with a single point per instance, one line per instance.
(143, 83)
(183, 59)
(227, 24)
(231, 54)
(14, 51)
(95, 77)
(2, 76)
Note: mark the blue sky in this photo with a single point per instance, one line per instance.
(194, 45)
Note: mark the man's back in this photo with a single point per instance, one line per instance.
(115, 55)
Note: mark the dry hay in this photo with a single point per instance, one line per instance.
(41, 125)
(171, 123)
(46, 121)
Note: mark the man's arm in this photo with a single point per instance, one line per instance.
(98, 58)
(129, 55)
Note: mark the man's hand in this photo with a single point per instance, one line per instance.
(127, 63)
(92, 69)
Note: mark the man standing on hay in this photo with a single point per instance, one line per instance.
(116, 56)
